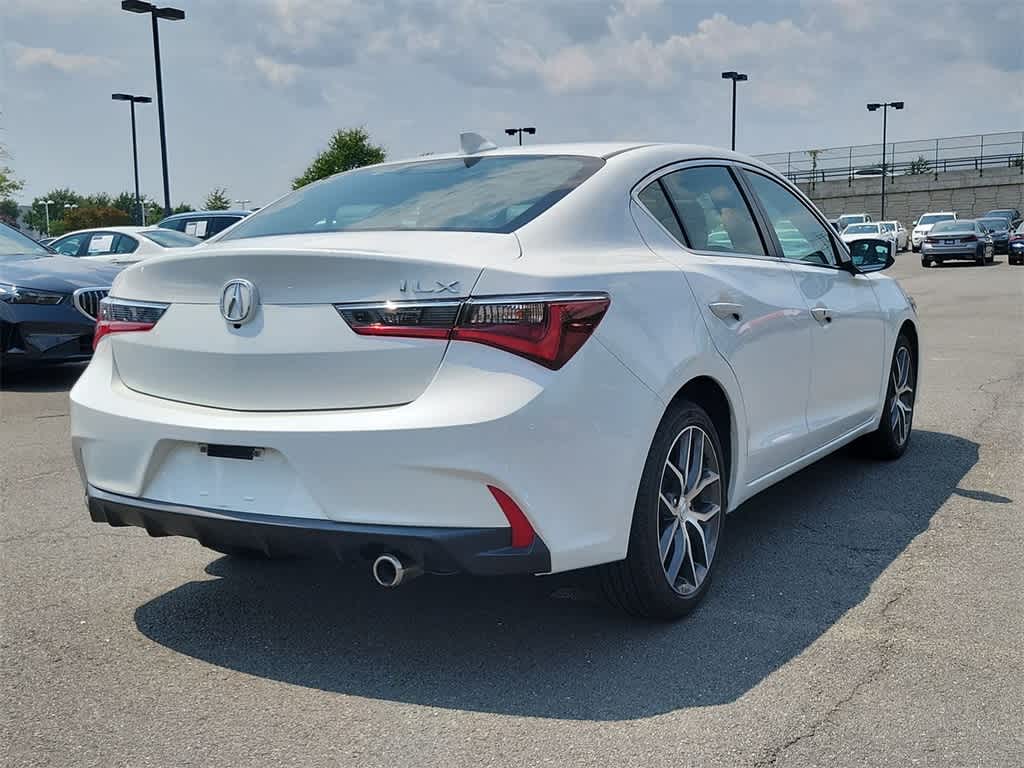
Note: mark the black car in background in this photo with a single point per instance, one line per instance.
(999, 228)
(1005, 213)
(48, 303)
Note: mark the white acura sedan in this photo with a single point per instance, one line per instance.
(501, 361)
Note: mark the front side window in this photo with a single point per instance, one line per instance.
(801, 236)
(714, 215)
(497, 193)
(70, 245)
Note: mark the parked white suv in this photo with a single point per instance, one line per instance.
(924, 225)
(515, 360)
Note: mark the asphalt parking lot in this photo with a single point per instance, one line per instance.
(865, 614)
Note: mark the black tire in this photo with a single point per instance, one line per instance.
(639, 584)
(885, 442)
(926, 263)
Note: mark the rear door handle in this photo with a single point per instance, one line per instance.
(727, 310)
(822, 314)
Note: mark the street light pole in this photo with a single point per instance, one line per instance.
(884, 106)
(243, 203)
(132, 100)
(736, 77)
(171, 14)
(513, 131)
(46, 208)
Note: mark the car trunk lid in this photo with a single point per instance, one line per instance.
(295, 352)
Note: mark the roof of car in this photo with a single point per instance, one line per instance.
(119, 230)
(205, 214)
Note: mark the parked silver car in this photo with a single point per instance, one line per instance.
(957, 240)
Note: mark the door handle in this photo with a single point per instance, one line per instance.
(727, 310)
(822, 314)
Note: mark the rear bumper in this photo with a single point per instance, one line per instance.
(479, 551)
(568, 446)
(942, 254)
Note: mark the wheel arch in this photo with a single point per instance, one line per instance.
(712, 396)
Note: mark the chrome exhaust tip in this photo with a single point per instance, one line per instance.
(389, 571)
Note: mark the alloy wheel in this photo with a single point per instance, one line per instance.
(690, 507)
(902, 407)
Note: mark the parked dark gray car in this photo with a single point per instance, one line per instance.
(48, 303)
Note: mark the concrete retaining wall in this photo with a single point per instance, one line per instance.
(907, 197)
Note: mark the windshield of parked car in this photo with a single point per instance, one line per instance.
(13, 243)
(953, 226)
(861, 229)
(169, 238)
(931, 218)
(464, 194)
(851, 219)
(997, 225)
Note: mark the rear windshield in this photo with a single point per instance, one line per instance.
(473, 194)
(851, 219)
(170, 238)
(953, 226)
(931, 218)
(996, 224)
(861, 229)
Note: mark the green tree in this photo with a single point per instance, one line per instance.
(346, 150)
(9, 186)
(36, 217)
(217, 200)
(9, 211)
(94, 216)
(919, 167)
(183, 208)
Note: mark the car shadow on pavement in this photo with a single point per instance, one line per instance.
(47, 378)
(798, 557)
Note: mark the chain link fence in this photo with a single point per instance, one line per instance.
(925, 156)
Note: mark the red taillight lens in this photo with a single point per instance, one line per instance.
(522, 532)
(969, 239)
(548, 330)
(121, 316)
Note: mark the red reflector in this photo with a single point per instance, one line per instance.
(107, 327)
(522, 532)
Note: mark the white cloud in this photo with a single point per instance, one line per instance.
(26, 58)
(277, 73)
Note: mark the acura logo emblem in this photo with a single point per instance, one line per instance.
(238, 301)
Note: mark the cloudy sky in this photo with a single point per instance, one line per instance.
(253, 88)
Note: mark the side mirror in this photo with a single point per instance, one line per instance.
(872, 255)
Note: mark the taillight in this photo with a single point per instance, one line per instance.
(931, 240)
(122, 315)
(969, 239)
(546, 329)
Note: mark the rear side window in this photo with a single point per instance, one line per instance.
(101, 242)
(170, 238)
(801, 236)
(653, 198)
(219, 224)
(713, 213)
(465, 194)
(175, 224)
(125, 244)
